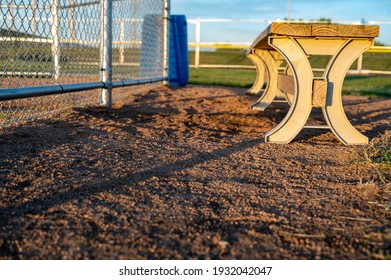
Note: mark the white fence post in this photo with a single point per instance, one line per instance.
(122, 41)
(197, 43)
(106, 52)
(166, 35)
(72, 22)
(33, 19)
(11, 9)
(56, 39)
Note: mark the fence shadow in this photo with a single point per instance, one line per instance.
(42, 204)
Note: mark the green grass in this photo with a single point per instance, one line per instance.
(359, 85)
(377, 157)
(367, 85)
(37, 57)
(222, 57)
(379, 152)
(223, 77)
(371, 60)
(353, 85)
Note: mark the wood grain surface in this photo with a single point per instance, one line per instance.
(314, 30)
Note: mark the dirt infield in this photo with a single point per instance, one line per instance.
(185, 174)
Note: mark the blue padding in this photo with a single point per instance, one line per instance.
(178, 71)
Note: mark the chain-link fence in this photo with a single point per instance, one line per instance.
(77, 47)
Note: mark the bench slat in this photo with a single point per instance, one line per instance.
(314, 30)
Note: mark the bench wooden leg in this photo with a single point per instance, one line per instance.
(261, 72)
(301, 106)
(335, 74)
(271, 64)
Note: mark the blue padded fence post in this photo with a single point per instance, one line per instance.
(178, 71)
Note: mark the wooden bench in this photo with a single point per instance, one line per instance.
(294, 43)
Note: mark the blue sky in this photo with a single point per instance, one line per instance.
(337, 10)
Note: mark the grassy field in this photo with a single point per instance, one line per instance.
(223, 77)
(367, 85)
(371, 60)
(353, 85)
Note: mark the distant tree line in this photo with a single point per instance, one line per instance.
(322, 19)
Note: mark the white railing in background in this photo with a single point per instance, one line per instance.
(197, 44)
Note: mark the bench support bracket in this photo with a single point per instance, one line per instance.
(261, 73)
(271, 60)
(301, 106)
(335, 74)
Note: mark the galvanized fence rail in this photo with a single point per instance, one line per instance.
(57, 54)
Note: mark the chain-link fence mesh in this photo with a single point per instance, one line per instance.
(55, 42)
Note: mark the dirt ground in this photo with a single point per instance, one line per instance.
(184, 173)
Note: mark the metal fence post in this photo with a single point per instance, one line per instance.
(166, 35)
(33, 19)
(134, 23)
(122, 42)
(11, 9)
(56, 39)
(72, 22)
(106, 53)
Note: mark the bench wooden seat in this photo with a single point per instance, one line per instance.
(293, 44)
